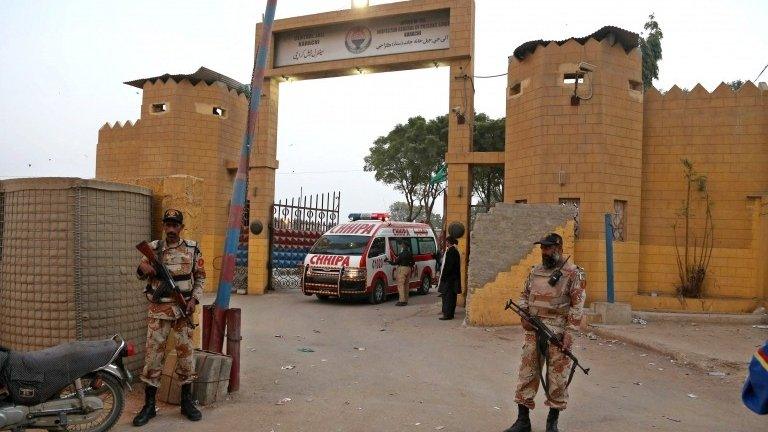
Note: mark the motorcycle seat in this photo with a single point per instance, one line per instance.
(74, 358)
(47, 371)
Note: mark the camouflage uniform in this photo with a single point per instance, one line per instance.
(185, 263)
(560, 308)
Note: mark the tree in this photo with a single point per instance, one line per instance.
(650, 47)
(434, 156)
(407, 157)
(693, 260)
(488, 180)
(398, 211)
(736, 84)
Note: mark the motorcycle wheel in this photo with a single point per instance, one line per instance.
(110, 391)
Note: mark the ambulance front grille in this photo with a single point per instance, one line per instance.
(324, 271)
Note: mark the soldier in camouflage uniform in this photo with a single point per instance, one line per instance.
(184, 261)
(560, 307)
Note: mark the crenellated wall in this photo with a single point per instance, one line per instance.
(623, 144)
(725, 134)
(185, 139)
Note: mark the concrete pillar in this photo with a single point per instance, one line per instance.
(459, 192)
(261, 185)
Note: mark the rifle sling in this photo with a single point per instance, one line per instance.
(542, 346)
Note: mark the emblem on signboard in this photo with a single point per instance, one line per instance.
(358, 39)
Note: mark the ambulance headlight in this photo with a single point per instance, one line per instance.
(354, 273)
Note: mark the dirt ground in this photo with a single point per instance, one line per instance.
(387, 368)
(711, 347)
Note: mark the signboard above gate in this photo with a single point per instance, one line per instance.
(423, 31)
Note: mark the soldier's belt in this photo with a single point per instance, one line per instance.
(181, 278)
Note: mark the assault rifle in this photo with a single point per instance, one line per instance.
(544, 333)
(168, 287)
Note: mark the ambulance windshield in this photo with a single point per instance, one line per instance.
(340, 245)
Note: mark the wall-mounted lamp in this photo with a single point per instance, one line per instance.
(285, 78)
(436, 64)
(359, 70)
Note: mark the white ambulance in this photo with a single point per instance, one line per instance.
(349, 260)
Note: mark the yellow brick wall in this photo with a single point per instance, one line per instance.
(596, 145)
(485, 306)
(624, 145)
(261, 182)
(182, 141)
(185, 194)
(724, 133)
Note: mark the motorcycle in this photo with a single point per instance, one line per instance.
(73, 386)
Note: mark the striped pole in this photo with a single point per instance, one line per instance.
(238, 192)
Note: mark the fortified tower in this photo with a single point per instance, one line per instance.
(574, 134)
(190, 125)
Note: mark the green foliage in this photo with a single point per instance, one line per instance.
(693, 258)
(650, 47)
(488, 180)
(407, 157)
(398, 211)
(736, 84)
(411, 154)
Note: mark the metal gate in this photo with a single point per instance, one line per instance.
(240, 281)
(295, 227)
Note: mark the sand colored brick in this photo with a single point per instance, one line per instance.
(622, 144)
(185, 140)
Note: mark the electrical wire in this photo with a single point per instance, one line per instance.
(490, 76)
(761, 72)
(319, 172)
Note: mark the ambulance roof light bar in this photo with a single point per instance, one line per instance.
(381, 216)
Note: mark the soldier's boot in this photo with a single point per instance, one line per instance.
(188, 408)
(552, 420)
(523, 422)
(148, 411)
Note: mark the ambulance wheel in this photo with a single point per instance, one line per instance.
(378, 294)
(426, 285)
(322, 297)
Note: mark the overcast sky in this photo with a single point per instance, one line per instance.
(63, 64)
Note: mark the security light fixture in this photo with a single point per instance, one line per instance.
(587, 67)
(584, 70)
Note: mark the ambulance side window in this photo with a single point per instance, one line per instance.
(427, 245)
(415, 246)
(377, 247)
